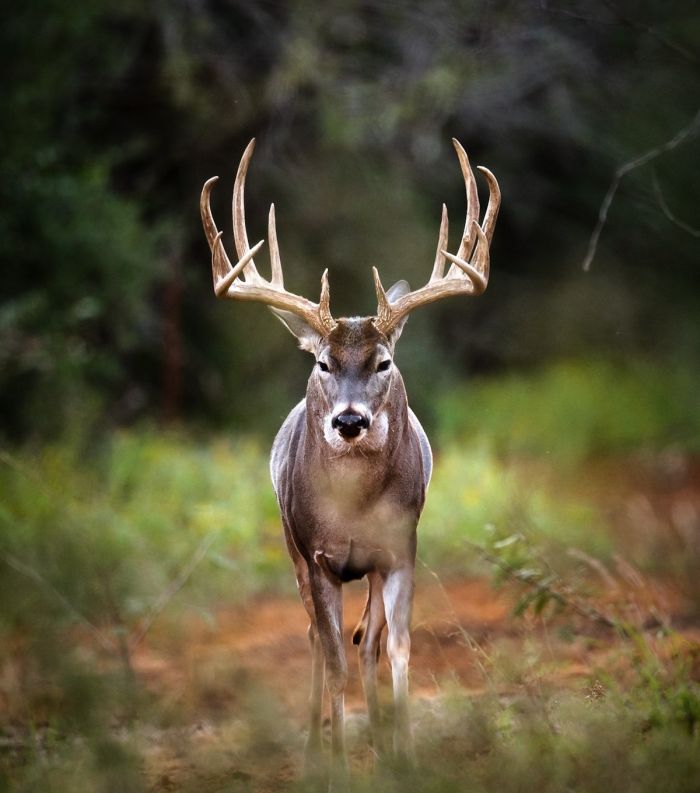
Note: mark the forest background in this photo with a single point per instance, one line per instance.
(137, 410)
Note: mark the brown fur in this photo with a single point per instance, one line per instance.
(349, 510)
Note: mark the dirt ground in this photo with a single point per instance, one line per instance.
(464, 639)
(464, 634)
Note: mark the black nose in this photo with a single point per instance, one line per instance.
(349, 424)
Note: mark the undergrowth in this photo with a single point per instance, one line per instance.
(102, 540)
(594, 736)
(575, 409)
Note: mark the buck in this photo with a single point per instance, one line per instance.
(351, 463)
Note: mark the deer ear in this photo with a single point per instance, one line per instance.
(308, 338)
(399, 289)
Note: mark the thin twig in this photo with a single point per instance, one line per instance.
(174, 587)
(24, 470)
(595, 564)
(35, 576)
(623, 170)
(667, 210)
(653, 32)
(121, 638)
(564, 12)
(559, 594)
(620, 19)
(471, 643)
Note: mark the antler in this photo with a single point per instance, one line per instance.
(469, 270)
(242, 281)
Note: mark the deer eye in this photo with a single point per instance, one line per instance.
(384, 365)
(322, 366)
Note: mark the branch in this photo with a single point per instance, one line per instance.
(560, 594)
(174, 587)
(653, 32)
(681, 136)
(667, 210)
(564, 12)
(620, 19)
(35, 576)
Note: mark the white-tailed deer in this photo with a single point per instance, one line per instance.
(351, 463)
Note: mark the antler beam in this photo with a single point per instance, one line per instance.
(243, 281)
(469, 268)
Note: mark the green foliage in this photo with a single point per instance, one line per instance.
(114, 115)
(81, 260)
(112, 528)
(101, 538)
(91, 264)
(573, 410)
(475, 500)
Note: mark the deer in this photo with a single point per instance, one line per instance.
(351, 463)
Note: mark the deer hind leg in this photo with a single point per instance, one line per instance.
(367, 635)
(398, 599)
(328, 603)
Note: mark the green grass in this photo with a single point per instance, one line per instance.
(577, 409)
(113, 527)
(476, 498)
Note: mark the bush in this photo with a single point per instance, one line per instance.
(576, 409)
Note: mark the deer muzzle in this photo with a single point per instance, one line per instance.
(350, 423)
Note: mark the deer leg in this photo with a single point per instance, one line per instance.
(367, 635)
(398, 599)
(314, 741)
(328, 603)
(316, 698)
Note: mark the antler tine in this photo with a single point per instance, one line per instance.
(277, 279)
(491, 214)
(227, 278)
(439, 266)
(473, 208)
(472, 259)
(478, 271)
(240, 235)
(220, 263)
(221, 286)
(384, 310)
(324, 305)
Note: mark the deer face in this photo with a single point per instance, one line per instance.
(352, 377)
(353, 373)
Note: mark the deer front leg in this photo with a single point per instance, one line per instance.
(314, 743)
(398, 599)
(367, 635)
(328, 602)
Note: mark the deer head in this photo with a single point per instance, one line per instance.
(354, 371)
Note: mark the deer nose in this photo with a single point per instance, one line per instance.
(349, 424)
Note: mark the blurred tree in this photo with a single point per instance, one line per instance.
(116, 114)
(74, 285)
